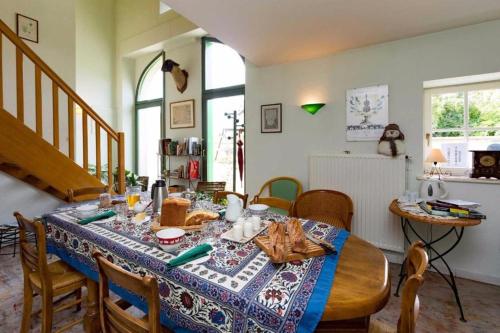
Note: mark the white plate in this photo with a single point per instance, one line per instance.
(146, 219)
(85, 211)
(228, 235)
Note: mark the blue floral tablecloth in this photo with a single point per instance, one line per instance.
(236, 290)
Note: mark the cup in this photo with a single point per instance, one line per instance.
(105, 200)
(238, 231)
(133, 195)
(255, 222)
(248, 229)
(121, 211)
(413, 196)
(208, 231)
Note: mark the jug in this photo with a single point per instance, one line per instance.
(159, 192)
(234, 207)
(433, 189)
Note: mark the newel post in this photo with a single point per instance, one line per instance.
(121, 163)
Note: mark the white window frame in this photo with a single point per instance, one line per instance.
(466, 88)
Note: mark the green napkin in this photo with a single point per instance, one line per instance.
(103, 215)
(195, 253)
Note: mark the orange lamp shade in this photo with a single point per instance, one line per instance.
(436, 156)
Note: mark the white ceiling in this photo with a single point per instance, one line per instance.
(277, 31)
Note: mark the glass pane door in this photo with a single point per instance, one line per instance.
(148, 135)
(223, 147)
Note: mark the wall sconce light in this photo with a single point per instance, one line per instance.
(312, 108)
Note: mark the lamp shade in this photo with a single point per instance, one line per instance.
(436, 156)
(312, 108)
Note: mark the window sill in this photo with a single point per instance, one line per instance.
(463, 179)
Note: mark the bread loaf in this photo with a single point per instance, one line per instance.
(277, 241)
(296, 236)
(199, 216)
(173, 211)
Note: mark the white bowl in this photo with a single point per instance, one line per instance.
(171, 238)
(85, 211)
(258, 209)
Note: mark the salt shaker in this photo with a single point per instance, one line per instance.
(248, 228)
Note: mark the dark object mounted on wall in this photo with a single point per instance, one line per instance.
(180, 75)
(27, 28)
(486, 163)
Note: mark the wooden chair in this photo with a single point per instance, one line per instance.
(280, 206)
(47, 280)
(416, 264)
(286, 188)
(85, 193)
(113, 316)
(210, 187)
(219, 195)
(144, 180)
(326, 206)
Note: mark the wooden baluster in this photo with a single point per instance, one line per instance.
(71, 128)
(38, 100)
(98, 151)
(121, 162)
(85, 141)
(55, 115)
(19, 84)
(1, 73)
(110, 162)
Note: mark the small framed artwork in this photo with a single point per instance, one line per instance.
(270, 118)
(182, 114)
(27, 28)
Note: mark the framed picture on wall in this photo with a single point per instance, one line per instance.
(367, 113)
(182, 114)
(270, 118)
(27, 28)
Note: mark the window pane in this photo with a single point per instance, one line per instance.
(151, 86)
(455, 149)
(484, 109)
(148, 134)
(223, 66)
(448, 111)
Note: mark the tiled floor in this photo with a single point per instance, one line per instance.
(438, 312)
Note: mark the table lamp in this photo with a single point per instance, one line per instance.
(436, 156)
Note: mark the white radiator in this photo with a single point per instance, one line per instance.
(372, 182)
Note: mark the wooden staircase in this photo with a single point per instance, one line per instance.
(26, 155)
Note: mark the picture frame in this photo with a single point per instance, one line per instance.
(27, 28)
(271, 118)
(182, 114)
(367, 112)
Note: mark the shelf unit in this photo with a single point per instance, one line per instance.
(190, 181)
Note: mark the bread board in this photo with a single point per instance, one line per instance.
(155, 226)
(313, 250)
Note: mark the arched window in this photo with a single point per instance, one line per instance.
(223, 100)
(149, 118)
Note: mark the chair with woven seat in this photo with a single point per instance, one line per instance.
(113, 316)
(85, 193)
(328, 206)
(47, 280)
(286, 188)
(220, 195)
(210, 187)
(416, 264)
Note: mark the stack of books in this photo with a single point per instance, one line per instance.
(455, 208)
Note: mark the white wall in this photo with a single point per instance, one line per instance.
(57, 48)
(404, 65)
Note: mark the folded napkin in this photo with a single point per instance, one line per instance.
(195, 253)
(100, 216)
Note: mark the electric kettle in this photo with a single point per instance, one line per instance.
(159, 192)
(433, 189)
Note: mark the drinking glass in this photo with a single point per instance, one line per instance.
(133, 195)
(121, 211)
(208, 231)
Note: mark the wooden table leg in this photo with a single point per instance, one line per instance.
(91, 321)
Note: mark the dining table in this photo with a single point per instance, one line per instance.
(237, 288)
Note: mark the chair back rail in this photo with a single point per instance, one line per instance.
(113, 317)
(219, 195)
(275, 203)
(210, 187)
(86, 193)
(327, 206)
(23, 52)
(416, 265)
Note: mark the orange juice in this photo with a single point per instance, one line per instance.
(132, 198)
